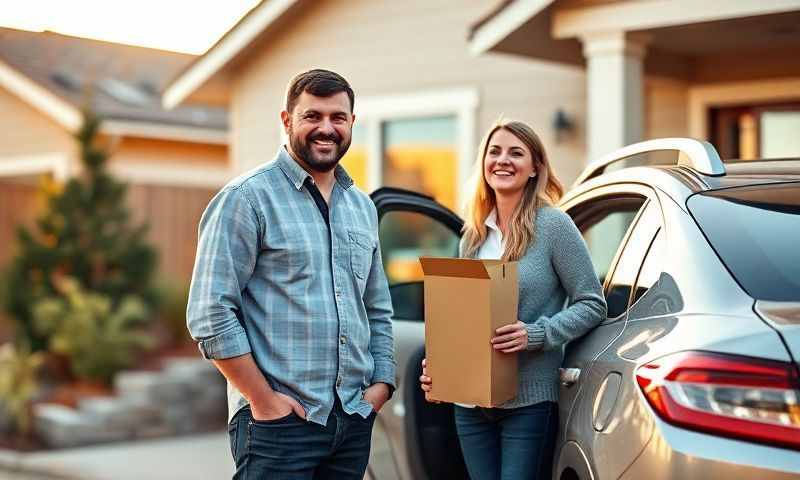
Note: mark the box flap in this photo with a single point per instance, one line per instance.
(454, 267)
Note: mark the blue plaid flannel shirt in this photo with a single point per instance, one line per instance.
(312, 308)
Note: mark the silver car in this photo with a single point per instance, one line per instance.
(694, 374)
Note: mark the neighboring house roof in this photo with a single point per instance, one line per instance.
(125, 82)
(227, 50)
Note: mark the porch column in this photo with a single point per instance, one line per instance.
(615, 91)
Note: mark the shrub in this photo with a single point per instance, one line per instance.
(19, 383)
(99, 337)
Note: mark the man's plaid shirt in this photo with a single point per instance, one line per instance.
(312, 307)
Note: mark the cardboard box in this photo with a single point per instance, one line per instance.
(465, 302)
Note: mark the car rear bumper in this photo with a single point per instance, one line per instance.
(674, 452)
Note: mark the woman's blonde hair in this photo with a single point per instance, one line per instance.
(543, 189)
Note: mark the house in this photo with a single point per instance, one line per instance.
(174, 160)
(726, 71)
(589, 75)
(422, 99)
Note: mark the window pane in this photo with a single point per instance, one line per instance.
(420, 154)
(758, 240)
(780, 134)
(627, 268)
(406, 236)
(604, 236)
(355, 160)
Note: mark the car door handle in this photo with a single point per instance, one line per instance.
(569, 376)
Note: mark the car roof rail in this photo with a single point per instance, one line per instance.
(697, 155)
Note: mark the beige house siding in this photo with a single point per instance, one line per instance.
(401, 48)
(25, 131)
(666, 108)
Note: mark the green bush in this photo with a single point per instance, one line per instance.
(173, 299)
(85, 232)
(98, 337)
(19, 383)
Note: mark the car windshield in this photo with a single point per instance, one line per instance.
(756, 232)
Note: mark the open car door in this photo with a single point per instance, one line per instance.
(413, 439)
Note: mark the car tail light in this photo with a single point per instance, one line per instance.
(728, 395)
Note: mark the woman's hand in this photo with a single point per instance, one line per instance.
(425, 381)
(511, 338)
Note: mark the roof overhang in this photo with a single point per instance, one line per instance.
(504, 22)
(554, 29)
(226, 50)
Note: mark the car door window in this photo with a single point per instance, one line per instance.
(620, 287)
(604, 222)
(405, 236)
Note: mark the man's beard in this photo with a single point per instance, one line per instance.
(302, 148)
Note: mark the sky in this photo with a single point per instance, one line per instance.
(189, 26)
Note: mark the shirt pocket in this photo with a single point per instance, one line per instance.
(361, 247)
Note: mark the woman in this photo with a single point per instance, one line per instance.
(511, 216)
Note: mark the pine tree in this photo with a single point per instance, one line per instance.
(85, 233)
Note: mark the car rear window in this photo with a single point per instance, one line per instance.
(756, 232)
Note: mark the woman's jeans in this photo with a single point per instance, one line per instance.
(514, 443)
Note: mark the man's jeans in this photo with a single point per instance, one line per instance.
(514, 443)
(292, 448)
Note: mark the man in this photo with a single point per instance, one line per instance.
(290, 301)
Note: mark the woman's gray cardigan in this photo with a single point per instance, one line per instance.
(556, 267)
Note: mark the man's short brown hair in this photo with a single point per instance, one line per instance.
(320, 83)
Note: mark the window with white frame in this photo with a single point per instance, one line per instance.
(422, 142)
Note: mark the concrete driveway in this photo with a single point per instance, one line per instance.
(196, 457)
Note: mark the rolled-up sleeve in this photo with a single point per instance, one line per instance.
(378, 304)
(227, 250)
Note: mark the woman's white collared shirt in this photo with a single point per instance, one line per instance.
(492, 248)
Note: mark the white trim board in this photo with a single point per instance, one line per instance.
(430, 102)
(463, 102)
(255, 22)
(57, 164)
(179, 133)
(504, 24)
(171, 175)
(23, 165)
(637, 15)
(40, 98)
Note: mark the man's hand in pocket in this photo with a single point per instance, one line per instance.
(377, 394)
(276, 405)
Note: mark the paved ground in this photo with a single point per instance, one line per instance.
(196, 457)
